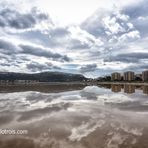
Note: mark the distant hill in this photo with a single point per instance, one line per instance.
(42, 77)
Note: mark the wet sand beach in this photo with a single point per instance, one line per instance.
(104, 116)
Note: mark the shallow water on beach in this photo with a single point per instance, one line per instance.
(108, 116)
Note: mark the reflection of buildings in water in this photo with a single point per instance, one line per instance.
(116, 88)
(145, 89)
(145, 75)
(129, 89)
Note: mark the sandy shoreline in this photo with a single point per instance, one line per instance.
(74, 83)
(53, 87)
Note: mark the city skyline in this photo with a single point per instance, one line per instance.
(129, 76)
(92, 38)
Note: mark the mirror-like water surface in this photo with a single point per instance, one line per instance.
(109, 116)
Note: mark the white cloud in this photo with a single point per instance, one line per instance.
(85, 129)
(130, 36)
(112, 25)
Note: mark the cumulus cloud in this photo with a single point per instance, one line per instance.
(130, 36)
(110, 23)
(10, 17)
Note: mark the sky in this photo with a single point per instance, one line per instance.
(89, 37)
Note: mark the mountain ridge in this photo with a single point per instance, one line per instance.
(53, 76)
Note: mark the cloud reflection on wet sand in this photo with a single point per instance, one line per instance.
(91, 117)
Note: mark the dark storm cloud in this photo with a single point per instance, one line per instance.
(129, 57)
(14, 19)
(88, 68)
(35, 67)
(37, 51)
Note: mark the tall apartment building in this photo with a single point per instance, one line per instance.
(145, 75)
(129, 76)
(115, 76)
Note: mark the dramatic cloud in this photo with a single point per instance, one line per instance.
(37, 51)
(114, 38)
(11, 49)
(110, 25)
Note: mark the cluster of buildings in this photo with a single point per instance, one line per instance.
(130, 76)
(18, 82)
